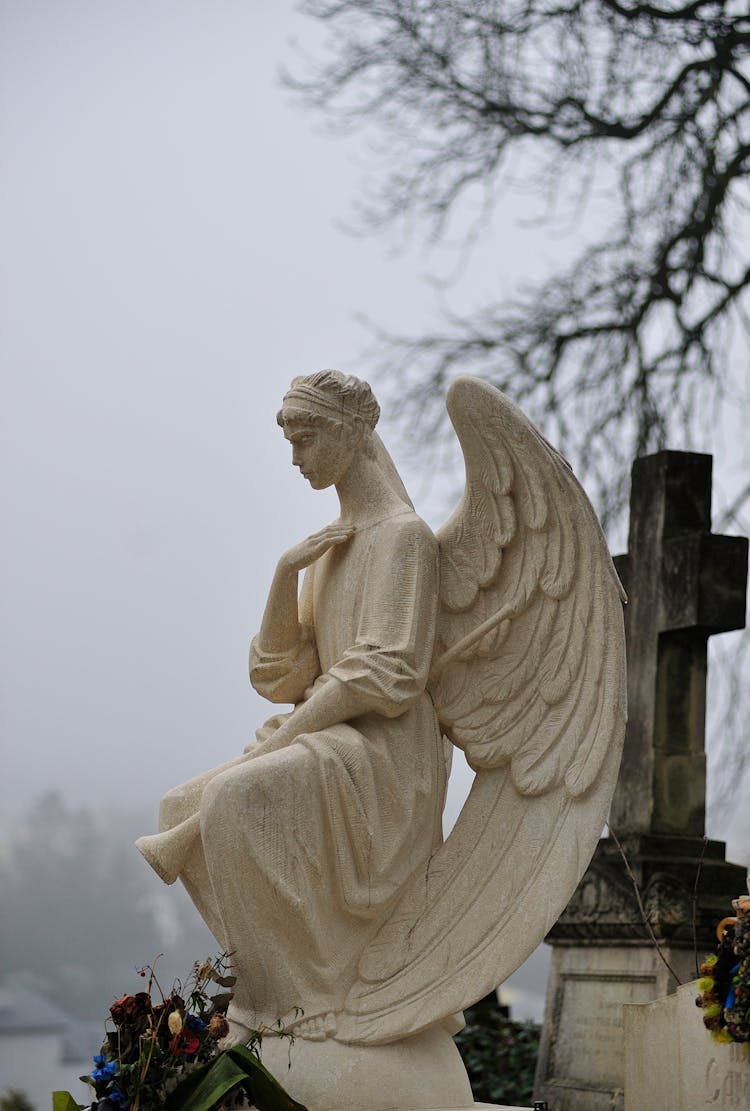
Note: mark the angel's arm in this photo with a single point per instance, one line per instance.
(280, 628)
(330, 703)
(283, 656)
(385, 670)
(389, 659)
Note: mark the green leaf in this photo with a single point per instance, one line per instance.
(63, 1101)
(267, 1093)
(222, 1074)
(238, 1065)
(221, 1001)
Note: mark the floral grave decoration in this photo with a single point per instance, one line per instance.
(164, 1052)
(724, 981)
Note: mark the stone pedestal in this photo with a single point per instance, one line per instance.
(421, 1073)
(603, 958)
(673, 1064)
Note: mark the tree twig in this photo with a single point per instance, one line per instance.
(641, 908)
(698, 872)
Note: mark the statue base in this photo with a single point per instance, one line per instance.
(421, 1073)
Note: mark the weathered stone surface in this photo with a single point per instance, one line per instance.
(683, 882)
(671, 1061)
(684, 584)
(425, 1071)
(582, 1064)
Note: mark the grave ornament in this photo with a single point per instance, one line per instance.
(316, 857)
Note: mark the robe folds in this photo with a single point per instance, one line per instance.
(303, 851)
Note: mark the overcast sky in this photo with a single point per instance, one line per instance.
(170, 259)
(169, 262)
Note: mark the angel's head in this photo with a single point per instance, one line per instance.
(328, 418)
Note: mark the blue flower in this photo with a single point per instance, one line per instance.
(118, 1098)
(731, 999)
(104, 1067)
(195, 1023)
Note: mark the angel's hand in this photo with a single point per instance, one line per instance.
(269, 740)
(280, 628)
(265, 731)
(331, 702)
(306, 552)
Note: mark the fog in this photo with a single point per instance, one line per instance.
(172, 255)
(170, 261)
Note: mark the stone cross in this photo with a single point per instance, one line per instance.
(683, 584)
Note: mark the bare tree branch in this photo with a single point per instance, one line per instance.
(623, 347)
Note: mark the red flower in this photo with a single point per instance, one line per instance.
(130, 1007)
(186, 1042)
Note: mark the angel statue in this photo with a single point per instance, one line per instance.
(316, 857)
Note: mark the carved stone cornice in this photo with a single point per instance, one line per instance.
(685, 886)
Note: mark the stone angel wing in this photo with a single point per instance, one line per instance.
(529, 680)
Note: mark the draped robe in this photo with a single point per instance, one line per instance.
(303, 851)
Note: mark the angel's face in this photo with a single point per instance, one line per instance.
(322, 451)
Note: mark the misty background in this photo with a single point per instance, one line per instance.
(173, 253)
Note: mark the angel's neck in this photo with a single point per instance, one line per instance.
(364, 493)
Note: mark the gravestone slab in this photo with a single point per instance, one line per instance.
(684, 584)
(584, 1063)
(671, 1061)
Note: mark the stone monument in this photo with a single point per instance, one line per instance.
(672, 1062)
(316, 857)
(684, 584)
